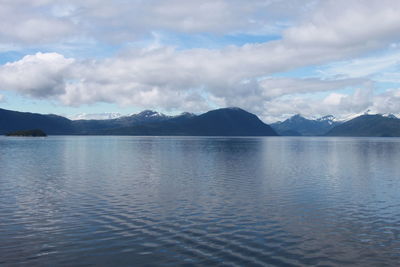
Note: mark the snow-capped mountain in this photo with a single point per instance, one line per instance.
(299, 125)
(96, 116)
(378, 125)
(389, 115)
(185, 115)
(220, 122)
(150, 114)
(143, 117)
(328, 118)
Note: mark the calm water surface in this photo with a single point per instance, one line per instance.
(170, 201)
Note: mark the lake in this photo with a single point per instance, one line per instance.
(134, 201)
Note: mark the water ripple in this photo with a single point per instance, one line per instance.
(186, 201)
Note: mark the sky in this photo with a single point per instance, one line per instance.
(274, 58)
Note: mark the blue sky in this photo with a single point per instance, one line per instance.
(274, 58)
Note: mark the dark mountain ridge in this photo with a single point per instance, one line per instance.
(368, 125)
(226, 121)
(11, 121)
(220, 122)
(297, 125)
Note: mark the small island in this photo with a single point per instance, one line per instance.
(28, 133)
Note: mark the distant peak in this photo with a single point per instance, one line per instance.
(389, 115)
(147, 111)
(229, 109)
(186, 114)
(367, 112)
(96, 116)
(327, 118)
(297, 117)
(150, 113)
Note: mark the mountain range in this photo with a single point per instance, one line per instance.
(300, 126)
(368, 125)
(219, 122)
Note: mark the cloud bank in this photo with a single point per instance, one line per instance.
(251, 76)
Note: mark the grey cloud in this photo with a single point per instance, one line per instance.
(152, 79)
(276, 87)
(26, 22)
(38, 22)
(342, 23)
(196, 79)
(387, 102)
(369, 66)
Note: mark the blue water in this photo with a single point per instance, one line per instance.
(133, 201)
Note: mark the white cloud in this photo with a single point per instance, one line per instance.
(193, 80)
(341, 105)
(387, 102)
(35, 22)
(351, 26)
(197, 79)
(276, 87)
(391, 77)
(2, 98)
(26, 22)
(342, 23)
(362, 67)
(40, 75)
